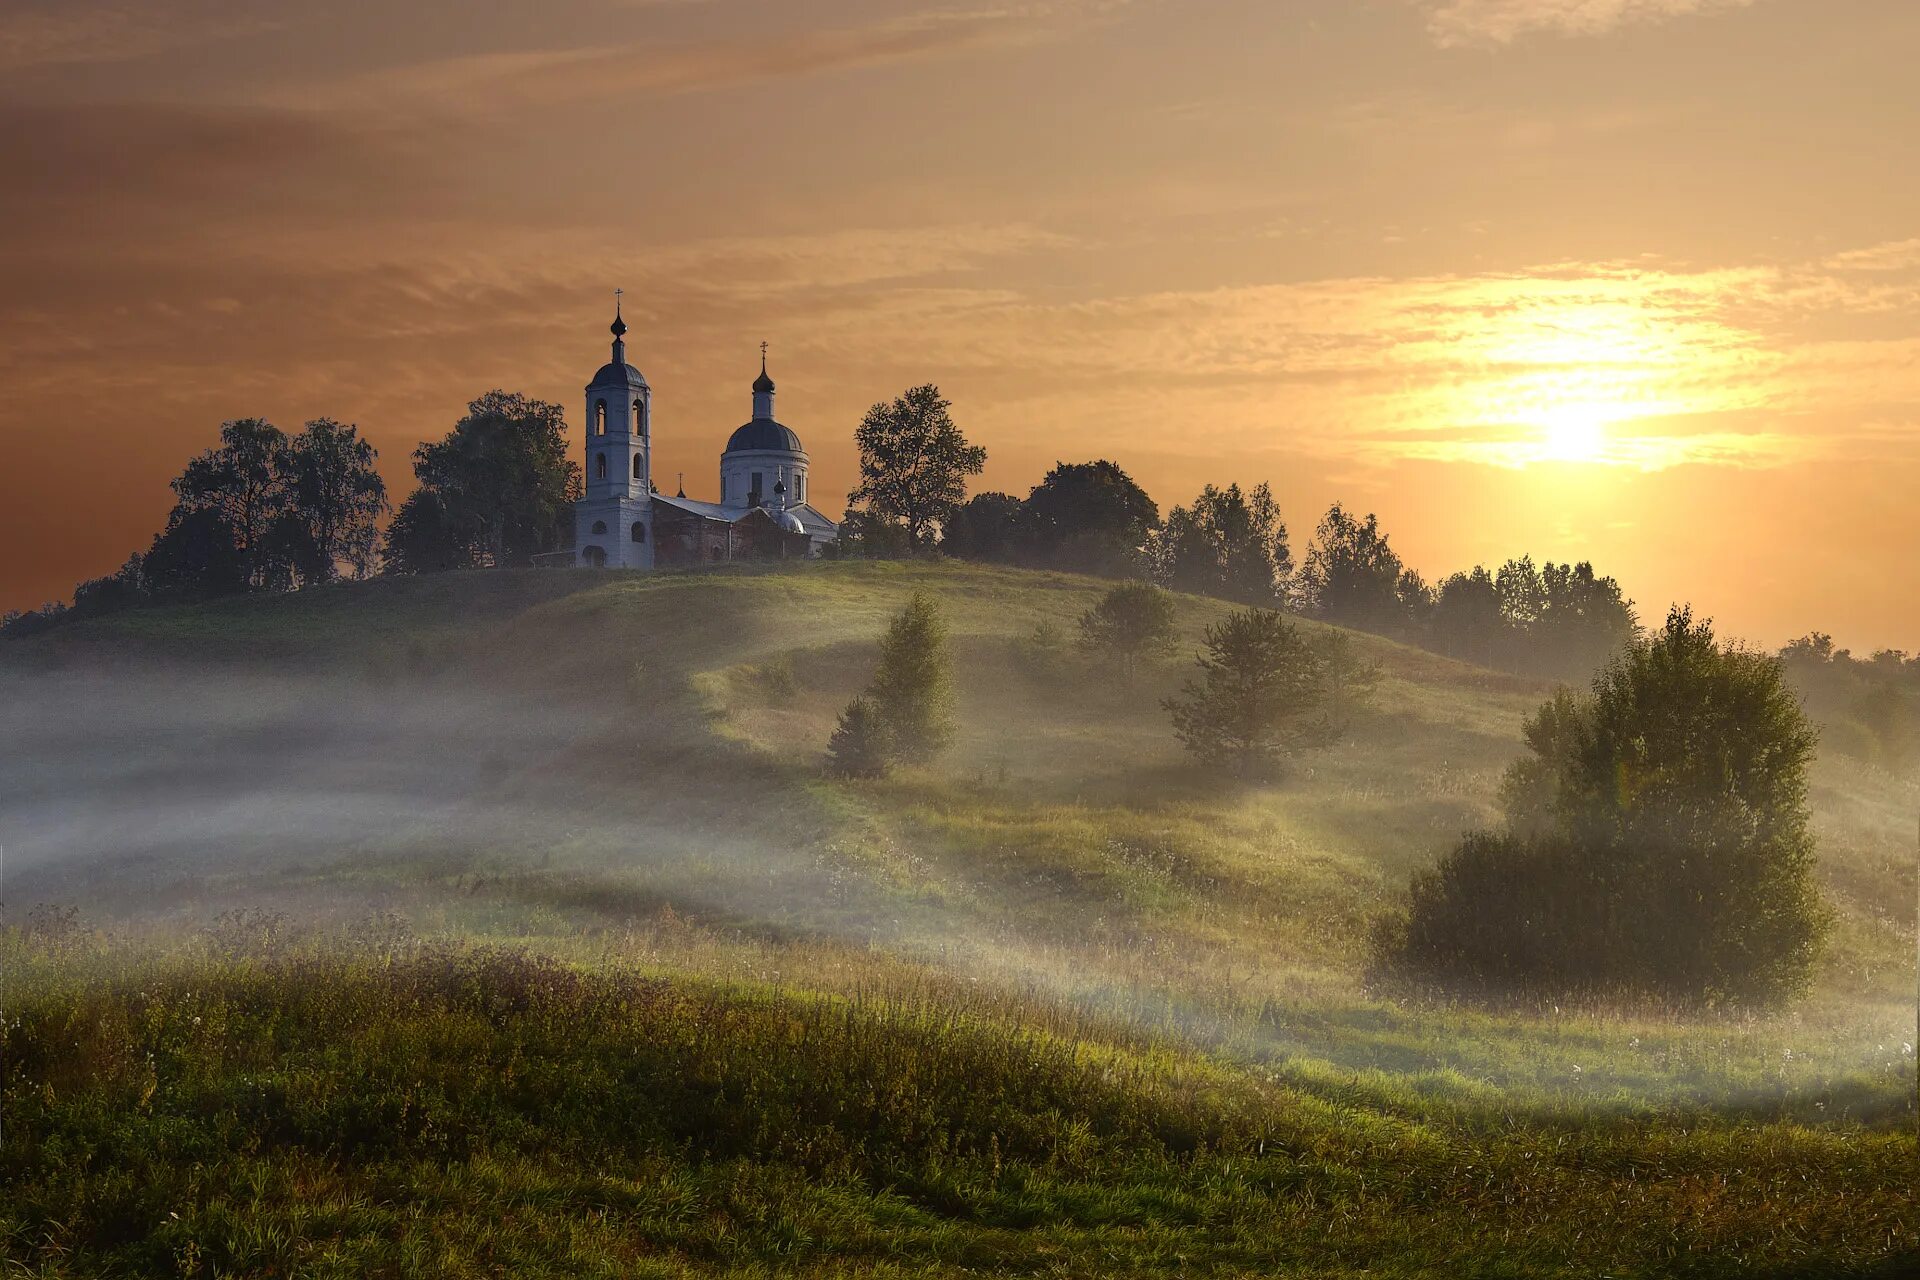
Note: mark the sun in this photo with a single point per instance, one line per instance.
(1575, 435)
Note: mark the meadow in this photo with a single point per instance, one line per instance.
(507, 924)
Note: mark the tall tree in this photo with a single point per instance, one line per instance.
(1090, 517)
(914, 464)
(987, 526)
(1352, 574)
(1227, 544)
(241, 483)
(913, 686)
(495, 492)
(335, 497)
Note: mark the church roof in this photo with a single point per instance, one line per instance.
(617, 375)
(764, 433)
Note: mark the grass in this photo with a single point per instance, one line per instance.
(526, 935)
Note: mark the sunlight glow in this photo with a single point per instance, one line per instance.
(1575, 435)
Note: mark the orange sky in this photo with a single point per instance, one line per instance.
(1634, 280)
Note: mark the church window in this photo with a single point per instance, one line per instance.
(639, 531)
(600, 466)
(636, 466)
(599, 526)
(753, 493)
(800, 486)
(599, 417)
(640, 417)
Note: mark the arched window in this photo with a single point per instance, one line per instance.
(599, 526)
(636, 466)
(640, 417)
(594, 556)
(599, 417)
(600, 466)
(639, 531)
(799, 486)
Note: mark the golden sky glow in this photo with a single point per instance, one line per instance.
(1635, 280)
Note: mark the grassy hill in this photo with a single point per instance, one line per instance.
(506, 923)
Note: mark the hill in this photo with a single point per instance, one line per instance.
(1150, 980)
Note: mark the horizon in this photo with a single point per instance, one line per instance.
(1637, 284)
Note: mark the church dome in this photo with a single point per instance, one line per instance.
(621, 374)
(764, 433)
(790, 522)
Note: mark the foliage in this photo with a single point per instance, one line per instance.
(1868, 708)
(1658, 841)
(1227, 544)
(1347, 682)
(987, 526)
(1131, 623)
(914, 464)
(1260, 695)
(335, 499)
(859, 746)
(913, 686)
(1352, 576)
(1089, 517)
(494, 492)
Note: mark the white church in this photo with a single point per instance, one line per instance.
(624, 522)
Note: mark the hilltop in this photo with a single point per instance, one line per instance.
(617, 778)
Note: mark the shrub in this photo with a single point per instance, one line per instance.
(1259, 695)
(1132, 622)
(1657, 841)
(858, 748)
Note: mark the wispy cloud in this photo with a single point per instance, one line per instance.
(1498, 22)
(36, 34)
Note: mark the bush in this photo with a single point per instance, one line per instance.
(1132, 622)
(858, 748)
(1657, 842)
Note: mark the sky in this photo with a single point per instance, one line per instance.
(1634, 281)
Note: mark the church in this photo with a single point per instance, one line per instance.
(623, 522)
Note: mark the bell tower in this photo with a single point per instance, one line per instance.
(613, 523)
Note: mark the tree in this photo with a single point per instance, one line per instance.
(1089, 517)
(858, 748)
(1347, 682)
(496, 491)
(1352, 575)
(196, 556)
(988, 526)
(335, 499)
(1228, 544)
(1584, 619)
(1132, 622)
(914, 464)
(1467, 622)
(1259, 695)
(1658, 840)
(241, 483)
(913, 686)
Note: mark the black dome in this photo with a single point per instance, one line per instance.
(764, 433)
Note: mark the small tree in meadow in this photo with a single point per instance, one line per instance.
(1132, 622)
(913, 688)
(858, 748)
(1259, 696)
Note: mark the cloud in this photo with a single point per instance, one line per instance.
(1455, 23)
(74, 32)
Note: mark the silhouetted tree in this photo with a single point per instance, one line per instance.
(1228, 544)
(1089, 517)
(988, 526)
(335, 499)
(1352, 574)
(914, 464)
(495, 492)
(241, 483)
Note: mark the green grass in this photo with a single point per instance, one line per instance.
(647, 993)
